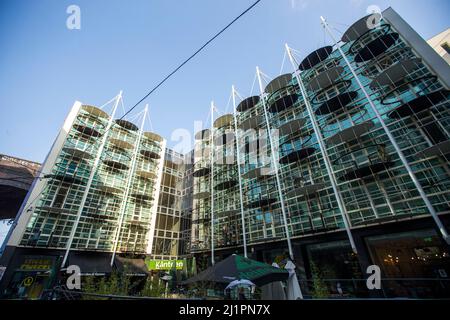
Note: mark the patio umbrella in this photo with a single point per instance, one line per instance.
(241, 282)
(236, 267)
(293, 288)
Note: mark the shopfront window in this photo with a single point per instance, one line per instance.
(34, 275)
(413, 264)
(334, 270)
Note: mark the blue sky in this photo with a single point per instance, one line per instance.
(131, 45)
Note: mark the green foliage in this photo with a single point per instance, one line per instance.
(88, 285)
(119, 284)
(153, 288)
(320, 289)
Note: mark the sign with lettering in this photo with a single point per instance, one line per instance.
(164, 264)
(37, 263)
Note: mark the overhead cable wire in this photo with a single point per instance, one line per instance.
(191, 57)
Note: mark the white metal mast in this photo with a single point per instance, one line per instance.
(275, 164)
(324, 151)
(211, 180)
(238, 157)
(128, 185)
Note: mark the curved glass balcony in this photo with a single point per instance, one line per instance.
(111, 184)
(260, 194)
(202, 135)
(117, 158)
(226, 120)
(395, 73)
(225, 155)
(292, 121)
(325, 79)
(255, 157)
(146, 168)
(141, 197)
(414, 96)
(283, 99)
(356, 30)
(296, 150)
(202, 168)
(202, 153)
(315, 57)
(201, 213)
(122, 138)
(143, 186)
(321, 67)
(363, 162)
(94, 111)
(347, 126)
(373, 43)
(224, 138)
(150, 149)
(127, 125)
(69, 170)
(104, 208)
(79, 147)
(228, 209)
(278, 83)
(376, 66)
(293, 126)
(153, 137)
(89, 125)
(225, 177)
(300, 187)
(248, 103)
(202, 188)
(334, 99)
(251, 115)
(302, 181)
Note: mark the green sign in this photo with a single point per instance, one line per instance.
(164, 264)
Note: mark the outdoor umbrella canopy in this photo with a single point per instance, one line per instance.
(236, 267)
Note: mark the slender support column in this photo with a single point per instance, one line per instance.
(211, 180)
(90, 180)
(402, 157)
(124, 203)
(275, 164)
(238, 157)
(326, 158)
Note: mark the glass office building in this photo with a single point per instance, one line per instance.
(95, 202)
(361, 136)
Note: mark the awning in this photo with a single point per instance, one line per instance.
(238, 268)
(131, 267)
(91, 263)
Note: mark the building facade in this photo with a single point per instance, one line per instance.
(94, 202)
(341, 164)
